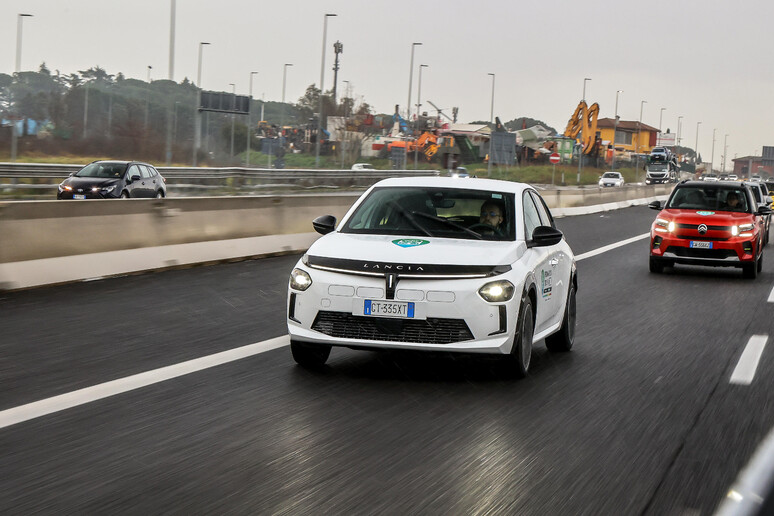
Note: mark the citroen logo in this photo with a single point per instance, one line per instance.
(702, 229)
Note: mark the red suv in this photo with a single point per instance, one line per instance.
(715, 224)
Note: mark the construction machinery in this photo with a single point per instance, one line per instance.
(583, 124)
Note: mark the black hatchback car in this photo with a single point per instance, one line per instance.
(112, 180)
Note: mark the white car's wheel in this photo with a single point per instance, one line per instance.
(521, 354)
(564, 338)
(310, 355)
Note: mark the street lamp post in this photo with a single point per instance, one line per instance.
(19, 19)
(197, 113)
(282, 116)
(637, 148)
(249, 104)
(419, 105)
(408, 104)
(147, 101)
(696, 149)
(712, 158)
(660, 118)
(491, 131)
(580, 151)
(725, 150)
(346, 119)
(615, 129)
(679, 132)
(322, 90)
(233, 106)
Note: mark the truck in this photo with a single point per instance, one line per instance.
(658, 172)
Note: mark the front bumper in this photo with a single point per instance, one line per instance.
(733, 252)
(449, 314)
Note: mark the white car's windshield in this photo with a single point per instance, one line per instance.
(611, 175)
(436, 212)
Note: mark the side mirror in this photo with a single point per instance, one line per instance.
(134, 178)
(764, 210)
(544, 236)
(656, 205)
(324, 224)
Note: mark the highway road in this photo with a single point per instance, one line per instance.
(641, 417)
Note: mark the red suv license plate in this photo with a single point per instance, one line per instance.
(701, 245)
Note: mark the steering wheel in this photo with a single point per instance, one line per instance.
(485, 227)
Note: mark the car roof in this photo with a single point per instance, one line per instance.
(703, 184)
(453, 182)
(120, 162)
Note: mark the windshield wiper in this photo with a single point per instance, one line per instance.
(448, 223)
(410, 218)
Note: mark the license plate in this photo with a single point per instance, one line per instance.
(76, 196)
(400, 309)
(701, 245)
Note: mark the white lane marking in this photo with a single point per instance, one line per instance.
(745, 369)
(607, 248)
(44, 407)
(771, 296)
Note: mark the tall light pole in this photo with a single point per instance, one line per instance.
(233, 106)
(419, 104)
(172, 41)
(147, 101)
(615, 129)
(284, 77)
(712, 159)
(346, 118)
(408, 104)
(197, 113)
(19, 17)
(660, 118)
(696, 149)
(491, 131)
(249, 104)
(679, 131)
(637, 148)
(322, 90)
(725, 150)
(580, 152)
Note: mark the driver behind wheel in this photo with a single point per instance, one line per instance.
(491, 214)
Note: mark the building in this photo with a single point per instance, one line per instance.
(745, 166)
(627, 139)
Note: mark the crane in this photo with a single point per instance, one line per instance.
(441, 112)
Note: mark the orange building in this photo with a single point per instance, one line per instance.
(630, 136)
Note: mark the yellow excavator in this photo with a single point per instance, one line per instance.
(584, 122)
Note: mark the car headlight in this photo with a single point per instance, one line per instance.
(300, 280)
(497, 291)
(63, 187)
(662, 222)
(108, 189)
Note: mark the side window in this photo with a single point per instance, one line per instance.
(145, 172)
(153, 172)
(531, 216)
(545, 215)
(133, 171)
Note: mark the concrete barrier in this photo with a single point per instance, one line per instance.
(48, 242)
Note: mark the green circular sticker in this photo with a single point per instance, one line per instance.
(410, 242)
(705, 213)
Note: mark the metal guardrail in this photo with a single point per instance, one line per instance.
(47, 170)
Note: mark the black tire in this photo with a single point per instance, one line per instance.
(565, 337)
(750, 270)
(159, 195)
(124, 195)
(656, 265)
(521, 354)
(312, 356)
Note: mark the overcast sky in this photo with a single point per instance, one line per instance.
(705, 60)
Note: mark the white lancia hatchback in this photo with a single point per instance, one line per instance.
(438, 264)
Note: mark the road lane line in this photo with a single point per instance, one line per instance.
(771, 296)
(745, 369)
(47, 406)
(610, 247)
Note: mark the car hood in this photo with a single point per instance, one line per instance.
(87, 182)
(709, 217)
(416, 250)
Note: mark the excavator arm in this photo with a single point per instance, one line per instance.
(584, 122)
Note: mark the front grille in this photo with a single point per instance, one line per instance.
(430, 331)
(702, 237)
(709, 228)
(687, 252)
